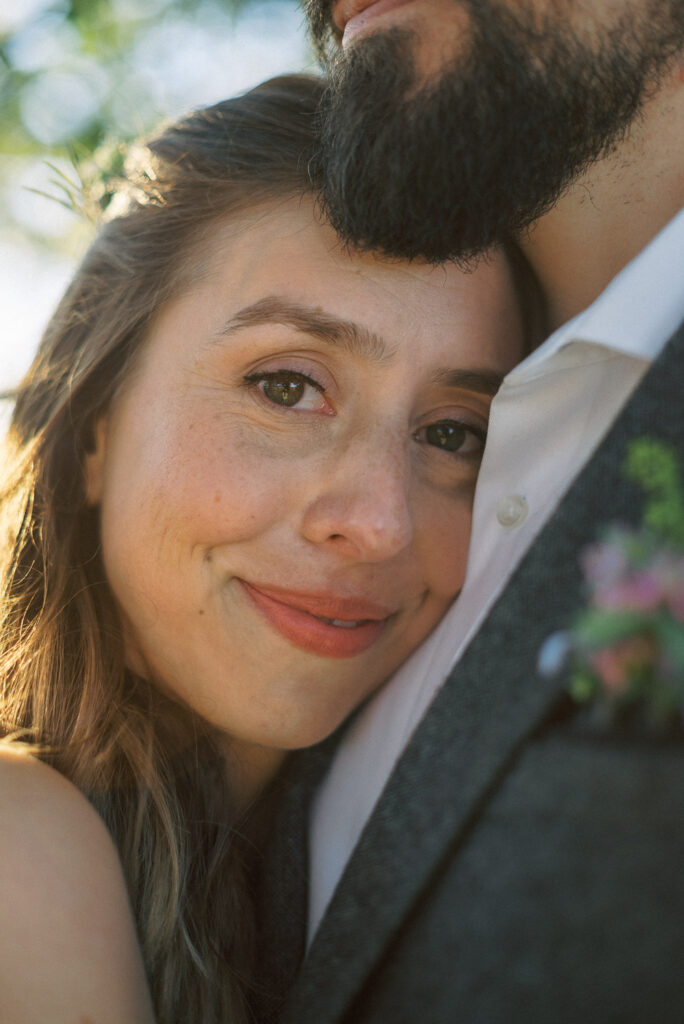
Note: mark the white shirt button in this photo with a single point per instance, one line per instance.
(512, 510)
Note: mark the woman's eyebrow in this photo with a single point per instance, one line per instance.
(485, 382)
(274, 309)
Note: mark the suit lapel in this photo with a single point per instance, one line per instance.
(490, 704)
(281, 892)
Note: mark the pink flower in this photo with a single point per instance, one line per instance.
(641, 591)
(604, 563)
(615, 665)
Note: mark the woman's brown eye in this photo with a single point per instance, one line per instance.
(284, 389)
(449, 436)
(289, 389)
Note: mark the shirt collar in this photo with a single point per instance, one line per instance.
(639, 310)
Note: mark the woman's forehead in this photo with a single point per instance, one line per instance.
(285, 247)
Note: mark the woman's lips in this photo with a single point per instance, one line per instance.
(328, 626)
(351, 16)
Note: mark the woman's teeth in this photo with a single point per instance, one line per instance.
(341, 622)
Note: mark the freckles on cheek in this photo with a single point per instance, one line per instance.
(218, 492)
(256, 477)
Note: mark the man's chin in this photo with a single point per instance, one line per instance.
(445, 170)
(392, 161)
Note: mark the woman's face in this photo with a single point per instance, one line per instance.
(286, 477)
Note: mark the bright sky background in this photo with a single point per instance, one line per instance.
(177, 66)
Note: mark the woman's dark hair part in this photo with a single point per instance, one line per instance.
(155, 773)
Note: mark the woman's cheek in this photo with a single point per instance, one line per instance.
(226, 494)
(444, 543)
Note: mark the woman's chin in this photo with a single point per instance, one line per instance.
(253, 763)
(280, 740)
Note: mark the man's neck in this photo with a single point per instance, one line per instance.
(613, 211)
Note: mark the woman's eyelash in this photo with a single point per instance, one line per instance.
(289, 389)
(253, 379)
(479, 432)
(454, 437)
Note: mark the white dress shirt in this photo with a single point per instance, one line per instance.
(548, 417)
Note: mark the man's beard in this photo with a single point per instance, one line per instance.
(445, 170)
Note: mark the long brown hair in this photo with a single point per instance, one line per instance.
(66, 690)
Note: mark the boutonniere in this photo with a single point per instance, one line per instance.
(625, 648)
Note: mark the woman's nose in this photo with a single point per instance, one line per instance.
(362, 508)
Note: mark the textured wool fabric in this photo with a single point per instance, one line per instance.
(516, 868)
(283, 885)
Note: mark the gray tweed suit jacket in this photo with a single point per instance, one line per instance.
(519, 867)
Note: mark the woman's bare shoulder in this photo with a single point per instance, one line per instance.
(68, 946)
(44, 815)
(23, 775)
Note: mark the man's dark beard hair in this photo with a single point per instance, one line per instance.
(446, 170)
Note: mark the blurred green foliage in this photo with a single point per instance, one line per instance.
(79, 77)
(66, 43)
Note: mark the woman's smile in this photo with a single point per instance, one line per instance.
(326, 625)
